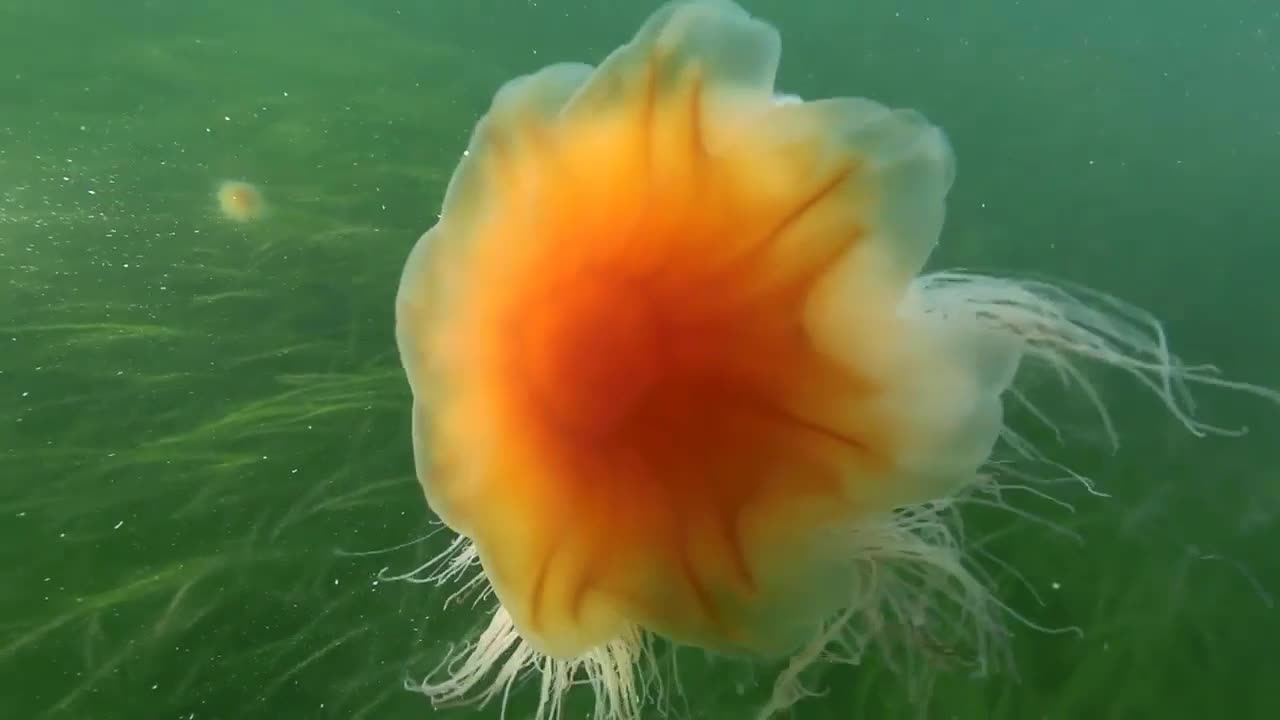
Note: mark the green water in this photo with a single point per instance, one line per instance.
(204, 424)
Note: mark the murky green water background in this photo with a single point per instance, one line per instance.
(202, 422)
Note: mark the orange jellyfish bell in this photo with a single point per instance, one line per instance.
(675, 372)
(240, 201)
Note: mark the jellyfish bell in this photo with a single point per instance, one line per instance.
(676, 372)
(240, 201)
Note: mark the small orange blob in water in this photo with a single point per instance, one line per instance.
(677, 373)
(240, 201)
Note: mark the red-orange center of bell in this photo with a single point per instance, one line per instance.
(591, 353)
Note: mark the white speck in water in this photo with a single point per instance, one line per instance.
(118, 525)
(1056, 585)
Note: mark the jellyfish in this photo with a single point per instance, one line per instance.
(678, 372)
(240, 201)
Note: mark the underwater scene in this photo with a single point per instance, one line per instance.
(554, 359)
